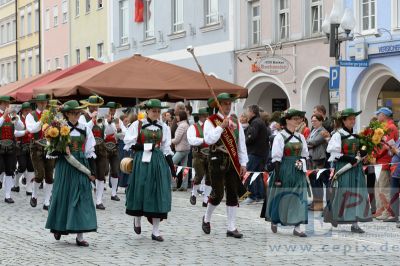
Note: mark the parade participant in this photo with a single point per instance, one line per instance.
(287, 199)
(227, 161)
(96, 124)
(72, 209)
(43, 166)
(113, 126)
(149, 190)
(25, 167)
(10, 127)
(349, 204)
(195, 136)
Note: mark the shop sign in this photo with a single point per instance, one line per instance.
(273, 65)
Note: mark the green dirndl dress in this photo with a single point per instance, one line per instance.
(349, 202)
(149, 186)
(287, 205)
(72, 209)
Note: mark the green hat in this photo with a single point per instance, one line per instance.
(289, 113)
(6, 99)
(222, 97)
(113, 105)
(202, 111)
(43, 97)
(26, 105)
(154, 103)
(71, 105)
(348, 112)
(93, 100)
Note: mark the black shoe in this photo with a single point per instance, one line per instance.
(116, 198)
(157, 238)
(57, 236)
(28, 193)
(82, 243)
(45, 207)
(299, 234)
(234, 234)
(9, 200)
(23, 181)
(137, 229)
(206, 227)
(33, 202)
(357, 230)
(204, 204)
(274, 228)
(193, 200)
(41, 186)
(100, 206)
(15, 189)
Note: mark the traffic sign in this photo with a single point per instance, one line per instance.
(334, 77)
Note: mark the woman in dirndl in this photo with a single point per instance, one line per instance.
(72, 209)
(149, 187)
(349, 202)
(287, 197)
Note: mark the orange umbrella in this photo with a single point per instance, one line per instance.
(139, 77)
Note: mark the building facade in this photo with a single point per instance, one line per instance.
(282, 57)
(29, 38)
(7, 42)
(89, 30)
(377, 85)
(56, 34)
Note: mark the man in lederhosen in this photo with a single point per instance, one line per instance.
(10, 127)
(195, 135)
(43, 166)
(227, 162)
(92, 121)
(25, 167)
(113, 126)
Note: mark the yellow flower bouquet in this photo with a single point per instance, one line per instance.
(371, 136)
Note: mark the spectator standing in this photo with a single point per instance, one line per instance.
(179, 106)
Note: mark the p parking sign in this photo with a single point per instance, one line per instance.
(334, 77)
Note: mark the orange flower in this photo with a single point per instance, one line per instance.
(53, 132)
(64, 131)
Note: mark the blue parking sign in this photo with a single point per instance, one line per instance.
(334, 77)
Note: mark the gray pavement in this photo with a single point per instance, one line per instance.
(25, 241)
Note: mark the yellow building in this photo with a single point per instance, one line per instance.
(28, 29)
(89, 32)
(7, 42)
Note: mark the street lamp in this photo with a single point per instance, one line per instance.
(331, 25)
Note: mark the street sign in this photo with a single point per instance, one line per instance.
(334, 77)
(334, 96)
(354, 63)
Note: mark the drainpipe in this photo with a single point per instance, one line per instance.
(40, 37)
(16, 40)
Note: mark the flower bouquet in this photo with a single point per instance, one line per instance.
(371, 136)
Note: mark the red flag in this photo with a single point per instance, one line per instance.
(139, 8)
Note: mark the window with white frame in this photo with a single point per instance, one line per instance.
(47, 19)
(30, 67)
(37, 17)
(29, 23)
(48, 63)
(177, 15)
(148, 19)
(66, 61)
(87, 52)
(100, 50)
(37, 63)
(255, 23)
(14, 69)
(14, 29)
(87, 6)
(21, 25)
(3, 73)
(9, 32)
(78, 56)
(22, 68)
(9, 74)
(283, 19)
(55, 16)
(368, 15)
(2, 35)
(123, 22)
(316, 16)
(77, 8)
(211, 12)
(56, 62)
(64, 10)
(99, 4)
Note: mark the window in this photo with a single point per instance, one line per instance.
(368, 17)
(123, 21)
(255, 23)
(14, 70)
(55, 16)
(149, 19)
(47, 19)
(29, 23)
(56, 62)
(9, 32)
(77, 10)
(87, 6)
(37, 14)
(78, 56)
(14, 29)
(29, 66)
(2, 35)
(2, 80)
(66, 61)
(316, 16)
(211, 13)
(22, 25)
(283, 19)
(9, 76)
(37, 63)
(22, 68)
(48, 63)
(100, 50)
(177, 15)
(99, 4)
(87, 52)
(64, 11)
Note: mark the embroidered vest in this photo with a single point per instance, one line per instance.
(149, 136)
(199, 133)
(98, 132)
(292, 148)
(36, 116)
(7, 129)
(350, 146)
(77, 143)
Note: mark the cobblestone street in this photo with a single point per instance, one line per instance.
(24, 240)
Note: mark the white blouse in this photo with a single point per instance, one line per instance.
(279, 145)
(335, 144)
(90, 141)
(191, 136)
